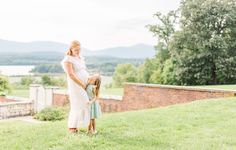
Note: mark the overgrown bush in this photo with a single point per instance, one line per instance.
(27, 80)
(51, 114)
(4, 86)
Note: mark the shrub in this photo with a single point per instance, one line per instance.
(4, 86)
(27, 80)
(51, 114)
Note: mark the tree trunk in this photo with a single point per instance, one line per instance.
(213, 73)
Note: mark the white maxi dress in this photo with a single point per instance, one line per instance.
(79, 115)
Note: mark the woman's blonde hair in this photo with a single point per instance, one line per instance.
(73, 44)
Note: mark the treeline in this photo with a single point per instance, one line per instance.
(35, 58)
(103, 65)
(196, 46)
(49, 62)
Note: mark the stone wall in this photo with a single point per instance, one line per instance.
(16, 109)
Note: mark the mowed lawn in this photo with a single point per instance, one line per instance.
(20, 93)
(109, 91)
(200, 125)
(226, 87)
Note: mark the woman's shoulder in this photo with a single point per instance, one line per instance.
(68, 58)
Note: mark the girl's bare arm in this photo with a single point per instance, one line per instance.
(92, 101)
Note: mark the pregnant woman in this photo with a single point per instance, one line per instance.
(77, 77)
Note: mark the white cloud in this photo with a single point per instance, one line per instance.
(96, 23)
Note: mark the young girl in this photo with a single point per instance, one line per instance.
(92, 90)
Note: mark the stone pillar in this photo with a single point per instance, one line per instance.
(41, 96)
(49, 95)
(33, 95)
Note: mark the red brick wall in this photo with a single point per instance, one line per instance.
(60, 99)
(142, 96)
(111, 105)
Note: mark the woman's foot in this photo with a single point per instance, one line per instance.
(73, 130)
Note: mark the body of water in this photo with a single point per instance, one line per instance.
(16, 70)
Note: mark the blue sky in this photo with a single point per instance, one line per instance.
(97, 24)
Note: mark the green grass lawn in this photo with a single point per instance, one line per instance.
(110, 91)
(20, 93)
(226, 87)
(200, 125)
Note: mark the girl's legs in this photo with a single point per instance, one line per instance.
(93, 124)
(90, 126)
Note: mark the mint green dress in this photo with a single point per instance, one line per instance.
(95, 110)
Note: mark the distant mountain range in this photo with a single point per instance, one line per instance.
(135, 51)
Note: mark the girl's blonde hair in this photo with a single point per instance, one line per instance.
(97, 82)
(73, 44)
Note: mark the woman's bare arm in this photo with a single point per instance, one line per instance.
(72, 75)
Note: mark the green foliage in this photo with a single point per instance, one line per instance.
(47, 62)
(202, 51)
(124, 73)
(106, 65)
(48, 68)
(153, 68)
(165, 29)
(47, 80)
(27, 80)
(4, 86)
(61, 81)
(51, 114)
(149, 67)
(168, 75)
(204, 48)
(140, 75)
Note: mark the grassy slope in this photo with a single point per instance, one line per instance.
(227, 87)
(206, 124)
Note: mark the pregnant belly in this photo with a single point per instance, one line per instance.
(83, 75)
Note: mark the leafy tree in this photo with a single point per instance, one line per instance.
(4, 86)
(124, 73)
(27, 80)
(48, 68)
(48, 80)
(54, 81)
(61, 81)
(205, 49)
(164, 31)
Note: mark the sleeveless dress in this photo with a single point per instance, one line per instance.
(95, 110)
(79, 115)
